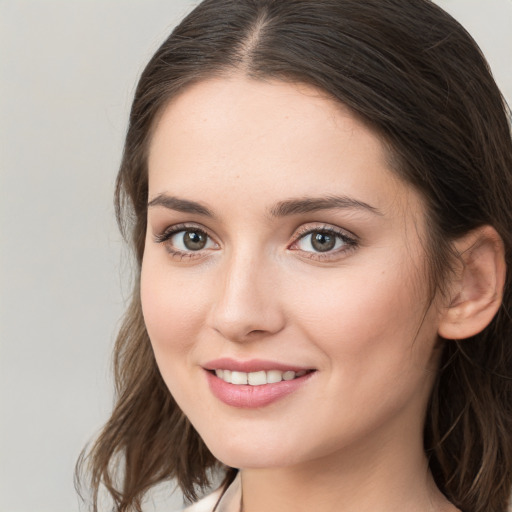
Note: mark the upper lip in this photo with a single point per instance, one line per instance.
(252, 365)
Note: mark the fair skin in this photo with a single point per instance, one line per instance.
(233, 269)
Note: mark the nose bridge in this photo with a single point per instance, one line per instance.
(247, 302)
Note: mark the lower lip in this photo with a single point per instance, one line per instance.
(253, 397)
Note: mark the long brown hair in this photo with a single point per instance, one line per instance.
(415, 76)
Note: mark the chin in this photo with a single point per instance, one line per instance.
(250, 459)
(258, 450)
(246, 450)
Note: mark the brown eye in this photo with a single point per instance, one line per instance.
(194, 240)
(185, 240)
(322, 241)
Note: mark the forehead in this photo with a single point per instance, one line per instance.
(243, 137)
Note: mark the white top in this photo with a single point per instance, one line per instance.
(230, 501)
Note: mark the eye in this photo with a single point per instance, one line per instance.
(185, 240)
(325, 241)
(320, 241)
(190, 240)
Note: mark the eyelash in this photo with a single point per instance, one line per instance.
(350, 241)
(178, 228)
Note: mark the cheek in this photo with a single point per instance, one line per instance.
(174, 315)
(173, 309)
(369, 320)
(377, 345)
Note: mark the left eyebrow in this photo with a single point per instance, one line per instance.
(314, 204)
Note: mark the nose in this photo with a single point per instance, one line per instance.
(247, 305)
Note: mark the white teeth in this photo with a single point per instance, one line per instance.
(274, 376)
(238, 378)
(257, 378)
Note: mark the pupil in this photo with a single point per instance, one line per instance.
(323, 242)
(194, 240)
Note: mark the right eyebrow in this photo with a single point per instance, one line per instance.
(180, 205)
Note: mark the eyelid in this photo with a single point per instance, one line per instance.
(165, 235)
(169, 231)
(306, 229)
(351, 241)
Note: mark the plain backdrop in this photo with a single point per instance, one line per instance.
(68, 69)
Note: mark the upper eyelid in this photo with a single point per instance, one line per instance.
(164, 236)
(298, 233)
(351, 241)
(183, 226)
(303, 230)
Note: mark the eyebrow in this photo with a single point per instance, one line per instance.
(281, 209)
(180, 205)
(314, 204)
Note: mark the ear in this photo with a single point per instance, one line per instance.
(477, 285)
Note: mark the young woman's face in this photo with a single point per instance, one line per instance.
(283, 253)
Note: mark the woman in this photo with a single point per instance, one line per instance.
(317, 193)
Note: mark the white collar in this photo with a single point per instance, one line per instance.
(218, 501)
(231, 500)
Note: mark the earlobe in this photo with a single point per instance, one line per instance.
(477, 286)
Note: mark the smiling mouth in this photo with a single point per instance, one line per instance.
(259, 378)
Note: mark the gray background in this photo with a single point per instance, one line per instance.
(67, 73)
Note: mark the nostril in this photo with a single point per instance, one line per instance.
(255, 332)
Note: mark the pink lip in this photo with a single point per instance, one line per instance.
(253, 365)
(253, 397)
